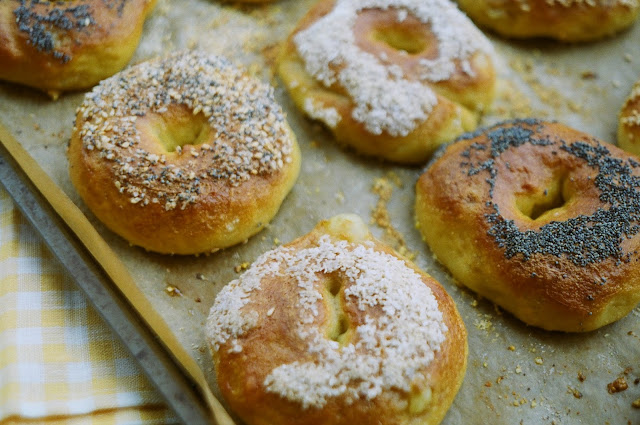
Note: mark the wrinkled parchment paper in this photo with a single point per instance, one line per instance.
(516, 374)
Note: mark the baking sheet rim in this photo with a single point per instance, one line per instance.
(112, 265)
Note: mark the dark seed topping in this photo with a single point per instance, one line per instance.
(583, 239)
(46, 22)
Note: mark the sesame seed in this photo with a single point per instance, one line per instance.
(242, 107)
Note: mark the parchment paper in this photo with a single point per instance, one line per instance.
(516, 374)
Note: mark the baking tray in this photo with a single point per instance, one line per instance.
(159, 367)
(516, 374)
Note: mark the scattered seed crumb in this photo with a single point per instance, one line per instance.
(518, 369)
(241, 267)
(539, 360)
(380, 214)
(574, 106)
(173, 291)
(588, 75)
(581, 377)
(499, 379)
(199, 276)
(485, 365)
(533, 404)
(617, 386)
(628, 57)
(483, 325)
(395, 179)
(636, 404)
(474, 303)
(511, 348)
(575, 392)
(270, 312)
(276, 241)
(488, 384)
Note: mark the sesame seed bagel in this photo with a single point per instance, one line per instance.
(57, 46)
(337, 329)
(539, 218)
(629, 122)
(565, 20)
(391, 78)
(183, 154)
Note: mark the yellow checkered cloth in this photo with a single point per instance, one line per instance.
(59, 362)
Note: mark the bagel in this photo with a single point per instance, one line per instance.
(565, 20)
(539, 218)
(629, 122)
(335, 328)
(390, 78)
(183, 154)
(58, 46)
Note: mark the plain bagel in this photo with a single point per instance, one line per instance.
(565, 20)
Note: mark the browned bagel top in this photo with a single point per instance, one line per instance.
(58, 28)
(603, 186)
(134, 123)
(395, 318)
(386, 55)
(631, 108)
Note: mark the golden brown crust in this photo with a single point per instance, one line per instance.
(458, 98)
(194, 198)
(224, 216)
(88, 40)
(565, 20)
(275, 341)
(540, 219)
(629, 122)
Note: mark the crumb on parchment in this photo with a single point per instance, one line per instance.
(383, 187)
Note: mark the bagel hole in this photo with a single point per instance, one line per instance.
(338, 322)
(536, 205)
(179, 128)
(410, 40)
